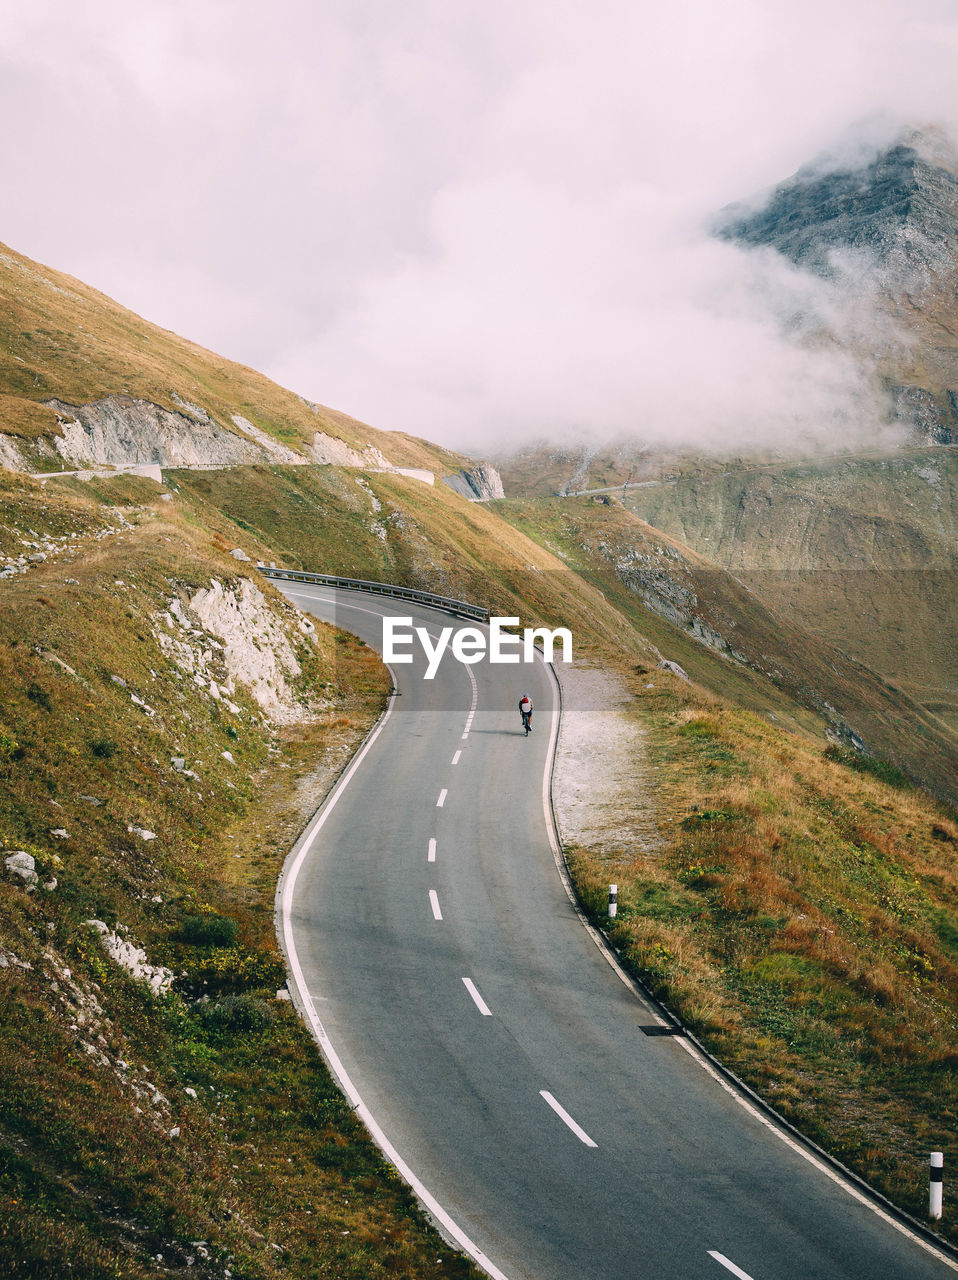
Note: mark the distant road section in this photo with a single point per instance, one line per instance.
(615, 488)
(519, 1083)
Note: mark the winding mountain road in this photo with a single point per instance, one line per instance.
(495, 1053)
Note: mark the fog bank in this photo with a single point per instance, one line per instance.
(482, 223)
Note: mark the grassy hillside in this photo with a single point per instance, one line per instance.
(861, 550)
(61, 339)
(857, 549)
(733, 643)
(592, 566)
(381, 526)
(194, 1131)
(799, 914)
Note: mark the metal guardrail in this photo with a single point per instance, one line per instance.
(460, 607)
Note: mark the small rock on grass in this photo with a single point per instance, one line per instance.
(20, 863)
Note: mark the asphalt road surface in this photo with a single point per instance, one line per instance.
(493, 1050)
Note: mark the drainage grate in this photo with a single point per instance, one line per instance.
(663, 1030)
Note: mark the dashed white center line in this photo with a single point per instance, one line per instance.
(442, 797)
(455, 758)
(564, 1116)
(480, 1003)
(475, 703)
(431, 856)
(729, 1266)
(434, 902)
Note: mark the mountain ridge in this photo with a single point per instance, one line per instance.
(901, 208)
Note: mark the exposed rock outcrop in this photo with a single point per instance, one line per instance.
(478, 484)
(933, 419)
(331, 451)
(278, 452)
(241, 640)
(883, 230)
(11, 454)
(122, 429)
(898, 213)
(132, 958)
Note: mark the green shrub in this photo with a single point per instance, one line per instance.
(236, 967)
(104, 748)
(209, 930)
(239, 1012)
(38, 695)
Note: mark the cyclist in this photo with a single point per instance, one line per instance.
(525, 710)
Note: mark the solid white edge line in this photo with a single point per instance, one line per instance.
(606, 951)
(431, 854)
(564, 1116)
(479, 1002)
(449, 1227)
(730, 1266)
(434, 903)
(442, 798)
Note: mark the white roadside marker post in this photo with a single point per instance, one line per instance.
(935, 1185)
(613, 900)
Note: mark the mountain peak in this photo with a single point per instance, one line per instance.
(897, 210)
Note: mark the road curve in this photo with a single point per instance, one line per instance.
(496, 1055)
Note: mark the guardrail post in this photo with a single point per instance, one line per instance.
(613, 900)
(937, 1174)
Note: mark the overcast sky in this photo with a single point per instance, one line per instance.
(481, 222)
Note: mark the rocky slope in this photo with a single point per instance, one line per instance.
(482, 483)
(154, 696)
(861, 551)
(894, 215)
(885, 232)
(730, 637)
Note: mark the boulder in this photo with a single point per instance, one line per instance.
(23, 865)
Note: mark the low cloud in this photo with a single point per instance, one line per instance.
(582, 320)
(482, 223)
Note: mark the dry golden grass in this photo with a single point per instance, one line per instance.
(60, 338)
(270, 1169)
(802, 918)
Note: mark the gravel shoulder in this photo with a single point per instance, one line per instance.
(602, 787)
